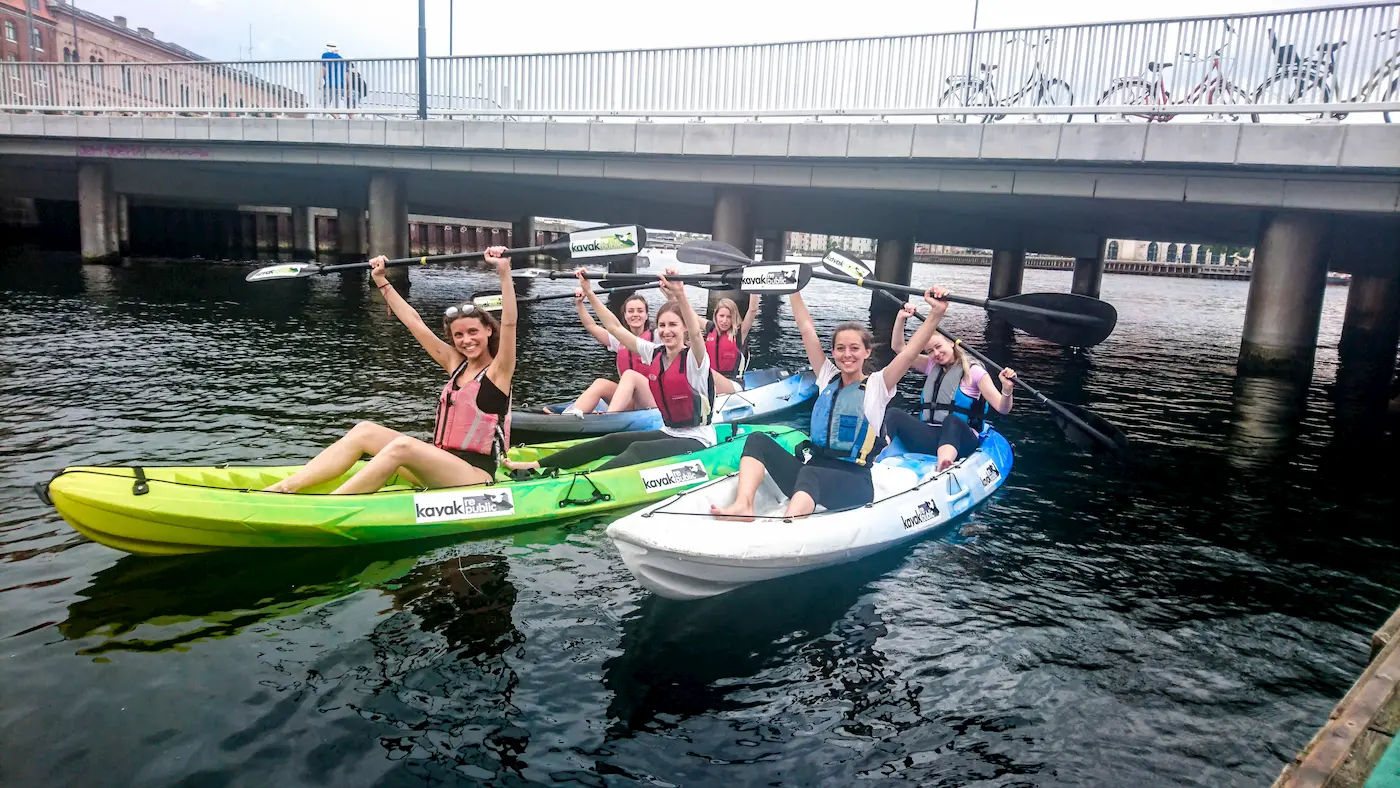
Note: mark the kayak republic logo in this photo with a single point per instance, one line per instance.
(275, 272)
(989, 474)
(771, 277)
(603, 243)
(923, 513)
(441, 507)
(677, 475)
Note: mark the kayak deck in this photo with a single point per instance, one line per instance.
(174, 510)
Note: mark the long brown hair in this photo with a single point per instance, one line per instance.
(493, 343)
(674, 308)
(637, 297)
(866, 338)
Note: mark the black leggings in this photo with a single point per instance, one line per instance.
(835, 484)
(626, 448)
(919, 437)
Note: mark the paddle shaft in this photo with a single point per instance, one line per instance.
(441, 258)
(607, 291)
(1059, 409)
(990, 306)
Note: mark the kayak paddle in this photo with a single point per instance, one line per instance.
(761, 279)
(1084, 428)
(597, 245)
(490, 300)
(1062, 318)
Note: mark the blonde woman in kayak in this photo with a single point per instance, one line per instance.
(636, 318)
(473, 416)
(727, 343)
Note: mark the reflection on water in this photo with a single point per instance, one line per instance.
(1188, 617)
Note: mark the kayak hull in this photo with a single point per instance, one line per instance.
(767, 392)
(677, 550)
(192, 509)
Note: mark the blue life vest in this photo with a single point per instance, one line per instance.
(840, 430)
(943, 396)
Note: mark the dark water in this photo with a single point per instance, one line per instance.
(1186, 619)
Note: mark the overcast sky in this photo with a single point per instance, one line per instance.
(289, 29)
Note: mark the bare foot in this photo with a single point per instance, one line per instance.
(734, 511)
(280, 487)
(512, 465)
(944, 465)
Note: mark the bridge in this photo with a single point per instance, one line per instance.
(1267, 130)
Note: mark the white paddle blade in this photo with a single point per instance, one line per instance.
(492, 302)
(774, 279)
(276, 272)
(606, 242)
(839, 262)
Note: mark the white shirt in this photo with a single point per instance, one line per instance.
(877, 395)
(697, 374)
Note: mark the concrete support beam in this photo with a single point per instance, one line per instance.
(303, 232)
(522, 234)
(350, 227)
(894, 263)
(1370, 335)
(388, 220)
(1285, 296)
(97, 213)
(733, 225)
(1008, 268)
(122, 225)
(1088, 274)
(774, 247)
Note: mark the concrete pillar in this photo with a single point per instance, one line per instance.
(1370, 335)
(774, 247)
(894, 263)
(122, 225)
(350, 226)
(97, 213)
(388, 221)
(1285, 296)
(1008, 266)
(1088, 274)
(732, 225)
(303, 232)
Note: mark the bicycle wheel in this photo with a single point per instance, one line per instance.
(1127, 93)
(966, 93)
(1228, 95)
(1293, 88)
(1054, 93)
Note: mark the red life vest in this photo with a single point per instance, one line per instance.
(726, 357)
(461, 426)
(680, 406)
(626, 359)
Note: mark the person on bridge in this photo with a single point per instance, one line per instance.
(956, 396)
(727, 342)
(332, 76)
(833, 468)
(677, 374)
(634, 396)
(473, 416)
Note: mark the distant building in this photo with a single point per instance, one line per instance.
(18, 40)
(816, 243)
(1171, 252)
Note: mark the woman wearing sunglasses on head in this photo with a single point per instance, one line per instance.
(473, 415)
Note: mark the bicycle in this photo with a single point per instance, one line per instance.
(966, 90)
(1386, 78)
(1299, 80)
(1152, 91)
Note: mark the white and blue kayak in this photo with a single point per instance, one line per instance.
(766, 392)
(678, 550)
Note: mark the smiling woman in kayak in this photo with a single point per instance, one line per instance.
(677, 375)
(846, 421)
(634, 312)
(727, 343)
(957, 393)
(473, 418)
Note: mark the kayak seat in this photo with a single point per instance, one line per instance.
(763, 377)
(890, 479)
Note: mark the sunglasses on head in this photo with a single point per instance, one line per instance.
(463, 310)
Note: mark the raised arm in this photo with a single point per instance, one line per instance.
(897, 335)
(694, 328)
(502, 368)
(997, 392)
(816, 355)
(906, 357)
(589, 324)
(443, 353)
(749, 315)
(610, 322)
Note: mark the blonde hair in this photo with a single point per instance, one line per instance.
(728, 303)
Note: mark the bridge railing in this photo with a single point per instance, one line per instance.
(1310, 64)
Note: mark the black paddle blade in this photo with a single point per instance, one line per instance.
(603, 244)
(289, 271)
(712, 253)
(1085, 440)
(1062, 318)
(839, 261)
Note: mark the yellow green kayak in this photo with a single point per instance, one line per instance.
(175, 510)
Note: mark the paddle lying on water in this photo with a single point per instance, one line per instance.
(490, 300)
(1062, 318)
(597, 245)
(1084, 428)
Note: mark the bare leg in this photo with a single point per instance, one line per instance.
(800, 505)
(364, 438)
(627, 388)
(751, 471)
(601, 389)
(947, 455)
(435, 467)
